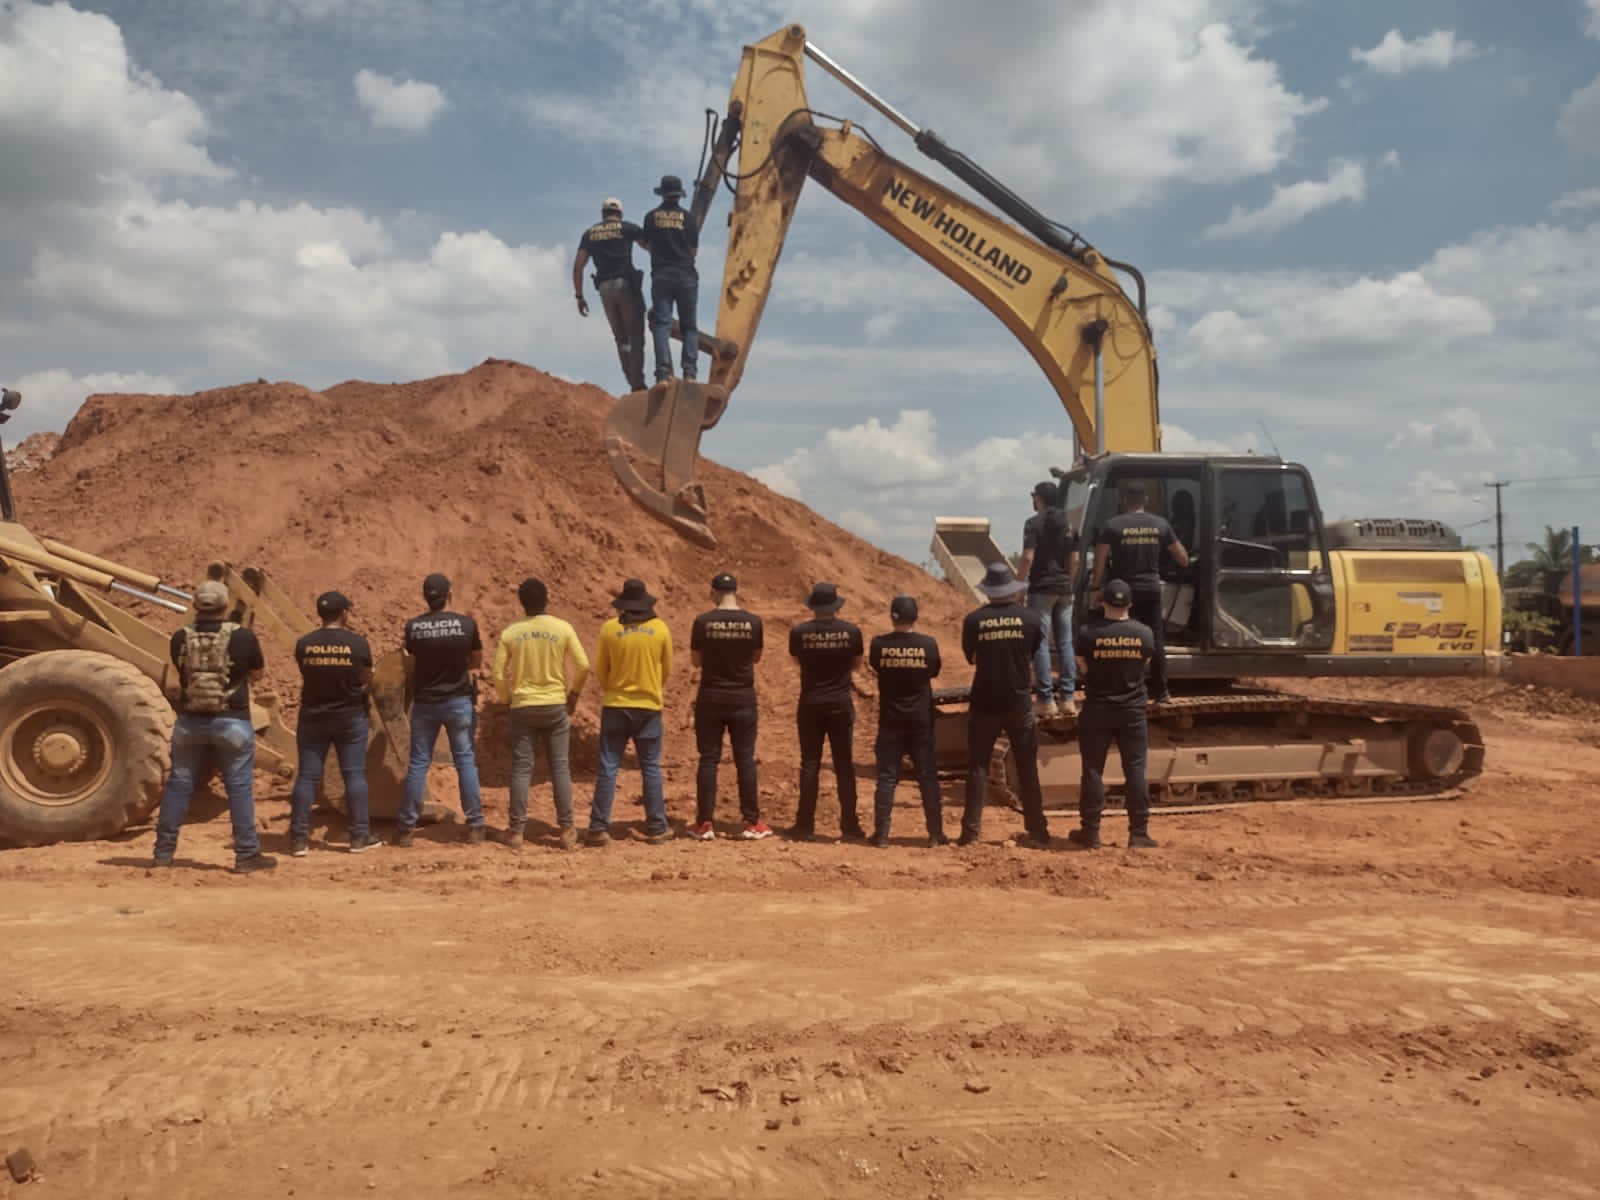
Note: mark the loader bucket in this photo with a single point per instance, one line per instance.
(653, 442)
(388, 748)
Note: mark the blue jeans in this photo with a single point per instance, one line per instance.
(619, 726)
(313, 737)
(459, 719)
(198, 743)
(1056, 610)
(669, 287)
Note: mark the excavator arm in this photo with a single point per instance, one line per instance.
(1060, 298)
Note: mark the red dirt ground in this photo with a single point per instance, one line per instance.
(1396, 1000)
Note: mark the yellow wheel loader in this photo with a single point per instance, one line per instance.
(1273, 591)
(86, 687)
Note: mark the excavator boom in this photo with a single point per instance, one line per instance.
(1058, 296)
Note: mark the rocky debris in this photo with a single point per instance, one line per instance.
(31, 453)
(21, 1165)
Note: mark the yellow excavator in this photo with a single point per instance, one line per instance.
(1272, 591)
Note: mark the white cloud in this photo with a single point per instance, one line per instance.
(1580, 200)
(407, 104)
(1458, 431)
(1395, 55)
(1391, 158)
(1295, 202)
(77, 117)
(1579, 122)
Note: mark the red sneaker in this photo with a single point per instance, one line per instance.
(704, 832)
(755, 831)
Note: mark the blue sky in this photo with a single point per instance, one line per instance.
(1374, 228)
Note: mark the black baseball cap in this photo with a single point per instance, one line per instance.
(331, 604)
(1117, 594)
(436, 586)
(724, 582)
(903, 609)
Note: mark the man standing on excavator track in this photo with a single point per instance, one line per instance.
(670, 235)
(1050, 565)
(609, 245)
(1129, 548)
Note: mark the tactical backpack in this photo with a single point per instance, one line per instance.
(207, 668)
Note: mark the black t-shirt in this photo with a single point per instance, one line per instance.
(332, 662)
(244, 656)
(1114, 655)
(1052, 541)
(827, 647)
(609, 245)
(728, 640)
(999, 640)
(1136, 540)
(442, 642)
(670, 233)
(905, 663)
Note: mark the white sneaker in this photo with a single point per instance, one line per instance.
(1048, 709)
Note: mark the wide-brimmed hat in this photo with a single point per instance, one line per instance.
(633, 598)
(824, 598)
(999, 582)
(670, 185)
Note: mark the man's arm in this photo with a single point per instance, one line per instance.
(502, 685)
(580, 670)
(1179, 554)
(666, 652)
(1102, 552)
(578, 264)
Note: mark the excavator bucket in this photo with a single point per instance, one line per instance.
(653, 441)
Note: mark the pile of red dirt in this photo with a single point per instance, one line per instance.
(488, 476)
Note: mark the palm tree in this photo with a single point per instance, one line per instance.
(1554, 553)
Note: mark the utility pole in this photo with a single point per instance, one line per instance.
(1499, 530)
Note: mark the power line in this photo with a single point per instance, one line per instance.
(1548, 479)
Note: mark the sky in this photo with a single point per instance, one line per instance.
(1371, 230)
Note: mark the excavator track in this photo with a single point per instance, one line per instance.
(1249, 746)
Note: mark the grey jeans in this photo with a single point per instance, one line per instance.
(549, 725)
(624, 309)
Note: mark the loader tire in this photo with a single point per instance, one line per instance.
(84, 741)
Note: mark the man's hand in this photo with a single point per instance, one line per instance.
(572, 703)
(583, 306)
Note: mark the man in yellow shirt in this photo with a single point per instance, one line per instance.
(632, 663)
(539, 669)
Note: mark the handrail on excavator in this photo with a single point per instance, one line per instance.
(1058, 295)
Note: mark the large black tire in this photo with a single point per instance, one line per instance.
(84, 742)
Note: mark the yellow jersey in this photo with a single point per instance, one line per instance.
(530, 664)
(632, 662)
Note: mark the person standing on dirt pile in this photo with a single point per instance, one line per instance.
(830, 652)
(670, 235)
(445, 649)
(632, 663)
(725, 645)
(1129, 548)
(1114, 652)
(335, 669)
(906, 663)
(1000, 640)
(216, 661)
(1050, 564)
(539, 669)
(609, 245)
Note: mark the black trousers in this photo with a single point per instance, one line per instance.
(1147, 610)
(739, 720)
(834, 723)
(1098, 727)
(983, 731)
(893, 745)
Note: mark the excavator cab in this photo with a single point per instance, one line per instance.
(1259, 579)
